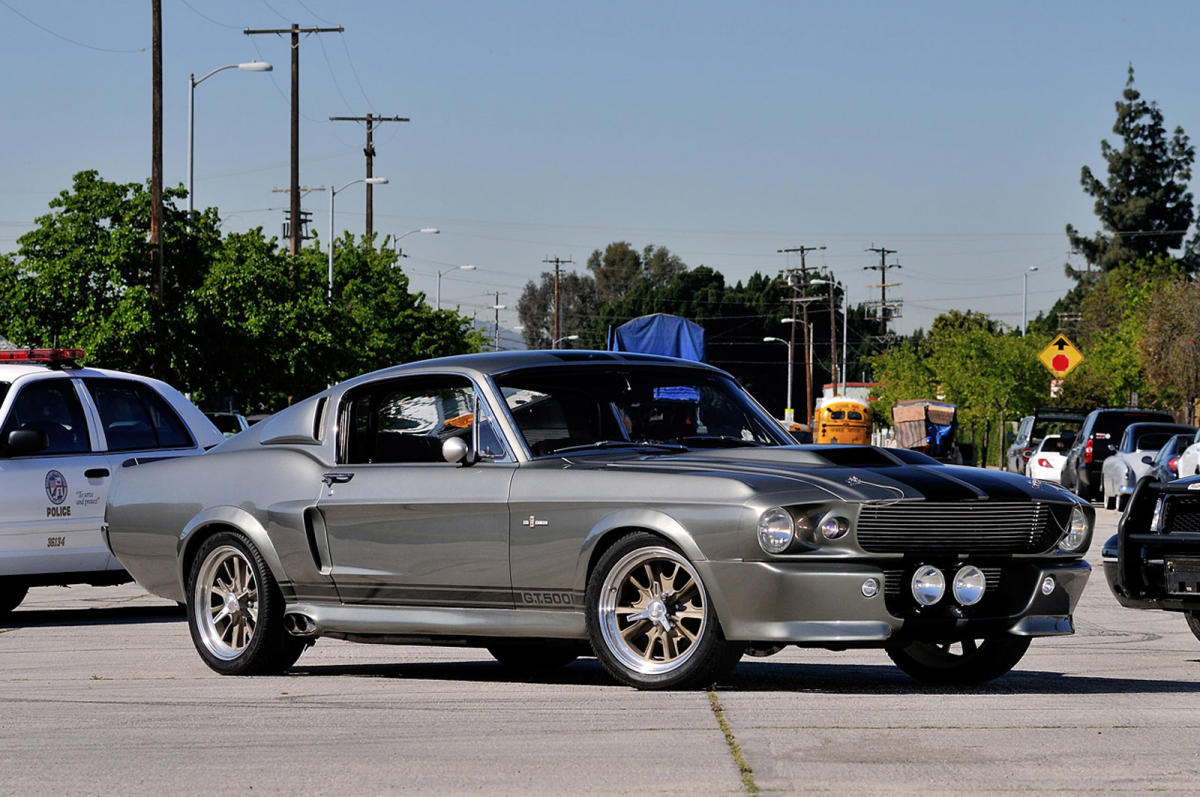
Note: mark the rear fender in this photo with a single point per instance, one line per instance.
(224, 518)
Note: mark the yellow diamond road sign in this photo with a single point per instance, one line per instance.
(1061, 356)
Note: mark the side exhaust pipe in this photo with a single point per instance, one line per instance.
(300, 625)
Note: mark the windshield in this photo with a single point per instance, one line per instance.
(3, 391)
(556, 409)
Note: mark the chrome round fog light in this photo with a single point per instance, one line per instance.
(969, 584)
(834, 527)
(1048, 585)
(928, 585)
(776, 530)
(870, 588)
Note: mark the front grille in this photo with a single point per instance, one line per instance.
(983, 528)
(1182, 513)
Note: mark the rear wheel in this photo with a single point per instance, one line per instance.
(11, 595)
(962, 663)
(1110, 501)
(235, 610)
(650, 619)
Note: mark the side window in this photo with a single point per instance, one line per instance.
(135, 417)
(407, 420)
(51, 406)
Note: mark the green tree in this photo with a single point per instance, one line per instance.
(577, 310)
(1170, 346)
(967, 359)
(616, 271)
(1113, 321)
(1143, 206)
(378, 319)
(82, 277)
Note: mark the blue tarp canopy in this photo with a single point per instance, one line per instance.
(660, 333)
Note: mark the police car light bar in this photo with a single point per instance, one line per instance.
(41, 355)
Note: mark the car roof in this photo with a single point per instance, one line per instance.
(10, 372)
(504, 361)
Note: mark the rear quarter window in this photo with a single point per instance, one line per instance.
(135, 417)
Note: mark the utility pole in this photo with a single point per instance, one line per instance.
(800, 297)
(294, 212)
(887, 310)
(833, 369)
(369, 151)
(557, 261)
(497, 307)
(156, 154)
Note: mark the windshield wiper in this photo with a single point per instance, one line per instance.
(720, 441)
(622, 444)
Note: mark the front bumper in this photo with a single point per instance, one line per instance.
(1162, 571)
(822, 603)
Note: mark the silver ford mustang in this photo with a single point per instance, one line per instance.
(546, 505)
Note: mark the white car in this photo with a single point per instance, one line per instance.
(1189, 460)
(1133, 458)
(64, 431)
(1047, 460)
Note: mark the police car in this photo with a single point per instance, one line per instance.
(64, 430)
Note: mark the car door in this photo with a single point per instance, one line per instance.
(53, 499)
(404, 526)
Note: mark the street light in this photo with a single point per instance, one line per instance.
(1025, 296)
(426, 230)
(332, 193)
(249, 66)
(788, 413)
(467, 267)
(560, 340)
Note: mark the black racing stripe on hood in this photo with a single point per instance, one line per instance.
(946, 483)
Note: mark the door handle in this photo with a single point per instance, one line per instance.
(95, 473)
(336, 478)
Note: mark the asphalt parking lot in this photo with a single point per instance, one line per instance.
(102, 692)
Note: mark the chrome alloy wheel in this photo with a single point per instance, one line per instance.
(652, 610)
(226, 602)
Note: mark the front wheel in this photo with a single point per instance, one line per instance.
(966, 662)
(1193, 621)
(235, 610)
(650, 619)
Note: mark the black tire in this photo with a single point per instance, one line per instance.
(1193, 621)
(11, 595)
(967, 663)
(677, 642)
(1110, 502)
(242, 633)
(533, 655)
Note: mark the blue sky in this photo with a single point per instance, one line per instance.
(952, 132)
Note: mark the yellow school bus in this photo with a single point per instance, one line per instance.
(843, 420)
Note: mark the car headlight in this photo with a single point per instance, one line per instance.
(834, 527)
(776, 530)
(1156, 522)
(1077, 534)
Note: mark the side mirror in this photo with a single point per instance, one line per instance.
(25, 441)
(456, 451)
